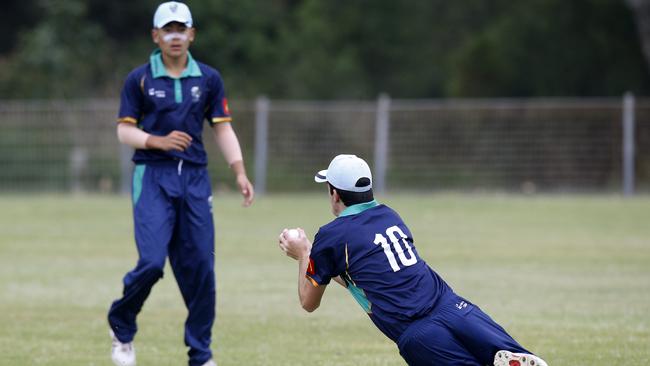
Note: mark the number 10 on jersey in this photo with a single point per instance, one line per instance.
(393, 232)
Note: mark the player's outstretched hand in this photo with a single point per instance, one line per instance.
(175, 140)
(294, 243)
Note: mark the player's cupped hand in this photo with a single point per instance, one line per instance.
(294, 243)
(175, 140)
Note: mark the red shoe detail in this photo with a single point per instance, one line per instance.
(514, 363)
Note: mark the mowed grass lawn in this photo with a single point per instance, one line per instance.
(568, 276)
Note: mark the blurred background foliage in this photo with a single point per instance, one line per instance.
(335, 49)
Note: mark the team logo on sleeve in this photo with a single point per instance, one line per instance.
(224, 103)
(311, 270)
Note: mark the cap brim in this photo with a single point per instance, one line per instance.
(321, 177)
(164, 22)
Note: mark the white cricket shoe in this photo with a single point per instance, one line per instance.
(507, 358)
(122, 354)
(210, 363)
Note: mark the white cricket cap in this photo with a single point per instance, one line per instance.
(347, 172)
(172, 11)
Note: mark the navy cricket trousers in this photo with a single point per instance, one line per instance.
(172, 211)
(455, 333)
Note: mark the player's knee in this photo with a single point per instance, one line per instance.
(153, 269)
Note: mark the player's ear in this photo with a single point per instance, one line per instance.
(191, 34)
(154, 35)
(335, 196)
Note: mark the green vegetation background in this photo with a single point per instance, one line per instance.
(314, 49)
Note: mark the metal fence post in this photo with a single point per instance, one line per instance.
(262, 105)
(628, 144)
(381, 143)
(78, 161)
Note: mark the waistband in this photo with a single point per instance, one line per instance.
(171, 163)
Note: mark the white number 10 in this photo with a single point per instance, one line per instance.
(404, 260)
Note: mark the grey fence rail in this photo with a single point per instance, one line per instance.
(514, 145)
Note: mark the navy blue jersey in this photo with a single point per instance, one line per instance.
(160, 104)
(372, 249)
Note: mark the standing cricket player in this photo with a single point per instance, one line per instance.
(370, 250)
(163, 106)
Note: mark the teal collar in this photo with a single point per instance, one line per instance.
(358, 208)
(158, 67)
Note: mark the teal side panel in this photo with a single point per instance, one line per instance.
(138, 174)
(360, 296)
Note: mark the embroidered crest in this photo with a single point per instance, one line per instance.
(196, 93)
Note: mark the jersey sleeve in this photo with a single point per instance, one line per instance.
(217, 109)
(327, 258)
(131, 99)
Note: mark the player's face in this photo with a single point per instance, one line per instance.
(173, 39)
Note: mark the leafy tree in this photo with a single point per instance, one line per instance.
(16, 17)
(242, 39)
(338, 49)
(60, 57)
(551, 48)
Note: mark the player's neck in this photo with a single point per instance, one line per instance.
(175, 65)
(338, 208)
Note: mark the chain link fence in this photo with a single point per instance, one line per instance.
(513, 145)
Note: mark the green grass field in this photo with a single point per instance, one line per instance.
(568, 276)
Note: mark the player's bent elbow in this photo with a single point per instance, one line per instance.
(309, 306)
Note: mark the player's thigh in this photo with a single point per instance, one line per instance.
(432, 343)
(195, 235)
(154, 215)
(198, 203)
(191, 253)
(482, 336)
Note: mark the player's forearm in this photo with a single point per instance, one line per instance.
(131, 135)
(238, 167)
(228, 143)
(309, 303)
